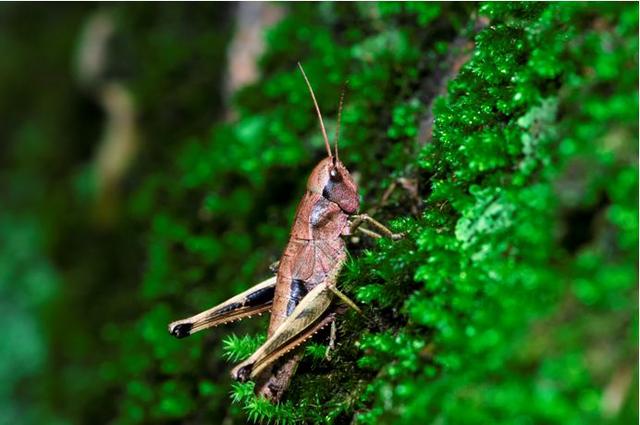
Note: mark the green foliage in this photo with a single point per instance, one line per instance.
(495, 272)
(460, 298)
(261, 410)
(494, 254)
(240, 348)
(316, 351)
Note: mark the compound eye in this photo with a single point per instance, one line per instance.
(334, 175)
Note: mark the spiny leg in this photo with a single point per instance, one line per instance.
(255, 300)
(305, 320)
(293, 331)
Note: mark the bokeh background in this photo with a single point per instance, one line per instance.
(152, 155)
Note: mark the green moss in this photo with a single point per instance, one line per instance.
(492, 264)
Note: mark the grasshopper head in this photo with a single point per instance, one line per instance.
(331, 179)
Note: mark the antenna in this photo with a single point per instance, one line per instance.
(339, 116)
(313, 96)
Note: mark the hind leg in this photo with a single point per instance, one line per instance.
(255, 300)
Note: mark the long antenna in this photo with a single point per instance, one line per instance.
(337, 137)
(313, 96)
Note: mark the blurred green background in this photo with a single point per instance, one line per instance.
(152, 157)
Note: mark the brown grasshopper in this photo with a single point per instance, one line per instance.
(299, 296)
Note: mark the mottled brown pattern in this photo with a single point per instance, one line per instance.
(314, 251)
(307, 257)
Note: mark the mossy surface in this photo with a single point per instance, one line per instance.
(510, 134)
(490, 309)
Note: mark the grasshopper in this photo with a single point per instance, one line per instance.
(300, 295)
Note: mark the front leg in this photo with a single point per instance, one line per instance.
(273, 267)
(359, 219)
